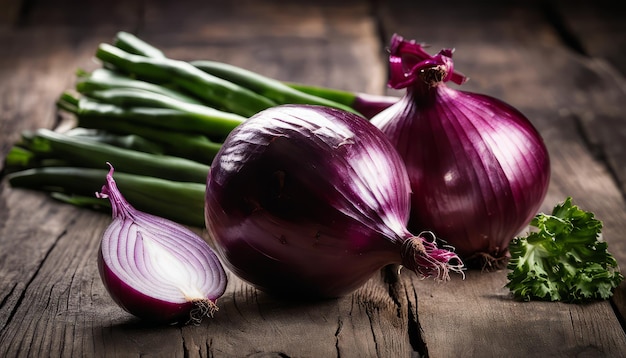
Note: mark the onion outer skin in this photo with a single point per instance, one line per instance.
(155, 268)
(285, 207)
(479, 170)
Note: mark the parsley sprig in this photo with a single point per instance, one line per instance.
(565, 259)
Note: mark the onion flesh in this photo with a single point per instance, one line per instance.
(479, 170)
(154, 268)
(309, 201)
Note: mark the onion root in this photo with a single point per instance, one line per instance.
(202, 308)
(421, 255)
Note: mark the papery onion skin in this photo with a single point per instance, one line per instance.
(143, 281)
(308, 202)
(479, 170)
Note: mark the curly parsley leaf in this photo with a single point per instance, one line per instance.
(565, 259)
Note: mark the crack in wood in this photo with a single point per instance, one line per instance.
(208, 345)
(391, 278)
(5, 300)
(22, 295)
(557, 21)
(337, 332)
(414, 331)
(617, 311)
(371, 324)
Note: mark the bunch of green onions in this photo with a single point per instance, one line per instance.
(160, 121)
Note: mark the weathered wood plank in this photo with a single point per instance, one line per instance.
(45, 285)
(45, 307)
(52, 300)
(250, 322)
(27, 59)
(331, 44)
(511, 52)
(35, 67)
(63, 308)
(476, 317)
(84, 17)
(595, 28)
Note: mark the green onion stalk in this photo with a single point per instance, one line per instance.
(160, 122)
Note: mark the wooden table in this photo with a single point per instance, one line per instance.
(562, 63)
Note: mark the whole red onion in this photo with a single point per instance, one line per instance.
(310, 201)
(479, 170)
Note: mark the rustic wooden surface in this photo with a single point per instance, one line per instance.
(562, 63)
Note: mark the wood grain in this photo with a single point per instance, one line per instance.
(577, 104)
(52, 302)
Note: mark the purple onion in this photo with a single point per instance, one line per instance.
(309, 201)
(479, 170)
(155, 268)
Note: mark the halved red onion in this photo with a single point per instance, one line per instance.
(155, 268)
(309, 201)
(479, 170)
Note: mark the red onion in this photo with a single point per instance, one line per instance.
(478, 168)
(309, 201)
(155, 268)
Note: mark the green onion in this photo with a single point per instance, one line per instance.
(215, 91)
(176, 143)
(367, 104)
(128, 141)
(179, 201)
(268, 87)
(102, 79)
(131, 43)
(179, 116)
(89, 153)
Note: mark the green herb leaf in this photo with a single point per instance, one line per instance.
(565, 259)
